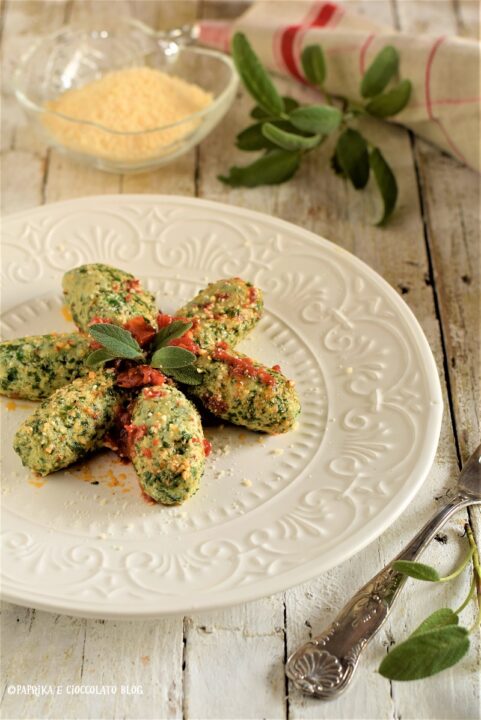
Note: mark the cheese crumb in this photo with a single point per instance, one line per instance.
(131, 101)
(246, 482)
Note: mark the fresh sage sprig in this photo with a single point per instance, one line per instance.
(175, 330)
(439, 642)
(176, 362)
(285, 131)
(117, 343)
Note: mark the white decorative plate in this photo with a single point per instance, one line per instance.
(271, 511)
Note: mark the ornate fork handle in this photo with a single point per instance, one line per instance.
(325, 665)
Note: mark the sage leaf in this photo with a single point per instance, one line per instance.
(253, 138)
(416, 570)
(353, 158)
(439, 618)
(318, 119)
(271, 169)
(313, 64)
(386, 183)
(98, 357)
(380, 72)
(175, 330)
(392, 102)
(187, 375)
(336, 167)
(255, 77)
(259, 114)
(119, 342)
(172, 357)
(426, 654)
(289, 140)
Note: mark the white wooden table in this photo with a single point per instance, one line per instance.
(229, 664)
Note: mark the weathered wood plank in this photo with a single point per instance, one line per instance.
(40, 649)
(468, 14)
(66, 179)
(175, 179)
(23, 157)
(242, 648)
(145, 655)
(454, 237)
(24, 174)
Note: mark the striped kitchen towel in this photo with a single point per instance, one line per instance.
(444, 107)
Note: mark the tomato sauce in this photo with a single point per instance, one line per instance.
(252, 297)
(242, 366)
(140, 329)
(215, 404)
(206, 444)
(186, 341)
(134, 433)
(139, 376)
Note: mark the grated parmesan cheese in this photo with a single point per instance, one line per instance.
(132, 100)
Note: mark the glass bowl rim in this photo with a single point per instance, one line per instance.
(41, 110)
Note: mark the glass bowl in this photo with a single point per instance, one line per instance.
(71, 58)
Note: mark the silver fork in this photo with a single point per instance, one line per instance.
(324, 666)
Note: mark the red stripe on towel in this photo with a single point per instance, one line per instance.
(287, 41)
(362, 53)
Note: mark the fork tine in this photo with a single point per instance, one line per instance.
(469, 482)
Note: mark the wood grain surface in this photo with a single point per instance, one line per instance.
(229, 664)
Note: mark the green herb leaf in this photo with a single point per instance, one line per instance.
(187, 375)
(255, 77)
(318, 119)
(336, 167)
(426, 654)
(313, 64)
(271, 169)
(252, 139)
(259, 114)
(380, 71)
(439, 618)
(288, 140)
(353, 158)
(98, 357)
(416, 570)
(392, 102)
(386, 183)
(172, 357)
(119, 342)
(171, 332)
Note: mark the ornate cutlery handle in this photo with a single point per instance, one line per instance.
(325, 665)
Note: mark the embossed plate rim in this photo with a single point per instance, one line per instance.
(370, 531)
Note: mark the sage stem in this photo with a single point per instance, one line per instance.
(460, 569)
(469, 597)
(476, 575)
